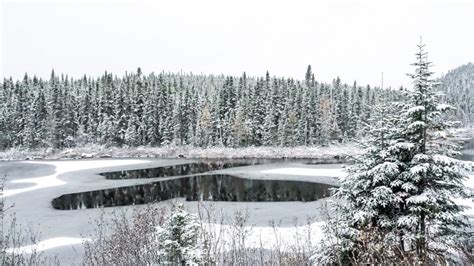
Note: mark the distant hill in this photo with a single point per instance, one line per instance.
(458, 87)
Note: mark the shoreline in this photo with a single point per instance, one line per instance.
(334, 153)
(331, 154)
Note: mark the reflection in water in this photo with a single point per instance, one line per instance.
(202, 167)
(181, 169)
(204, 187)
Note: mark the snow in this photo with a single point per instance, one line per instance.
(469, 182)
(268, 237)
(306, 172)
(418, 169)
(49, 244)
(418, 199)
(415, 109)
(467, 202)
(98, 151)
(61, 167)
(40, 182)
(416, 125)
(442, 107)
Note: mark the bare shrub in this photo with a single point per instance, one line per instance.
(223, 240)
(227, 240)
(19, 245)
(125, 239)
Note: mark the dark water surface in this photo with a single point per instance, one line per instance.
(468, 151)
(203, 166)
(192, 183)
(191, 168)
(203, 187)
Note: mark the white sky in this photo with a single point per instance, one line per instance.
(356, 40)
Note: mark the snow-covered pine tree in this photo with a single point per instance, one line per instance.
(352, 117)
(203, 128)
(399, 204)
(272, 112)
(39, 120)
(179, 238)
(57, 130)
(120, 112)
(131, 136)
(5, 114)
(176, 118)
(239, 128)
(430, 221)
(367, 107)
(365, 230)
(312, 117)
(69, 119)
(257, 113)
(329, 129)
(302, 127)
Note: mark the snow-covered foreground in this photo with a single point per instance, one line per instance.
(32, 185)
(283, 238)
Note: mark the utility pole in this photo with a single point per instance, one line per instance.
(382, 115)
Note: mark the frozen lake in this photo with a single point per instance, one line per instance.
(59, 199)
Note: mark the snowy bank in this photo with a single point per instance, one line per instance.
(52, 180)
(331, 154)
(48, 244)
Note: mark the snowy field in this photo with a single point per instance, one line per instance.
(31, 185)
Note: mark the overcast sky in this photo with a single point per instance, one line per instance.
(356, 40)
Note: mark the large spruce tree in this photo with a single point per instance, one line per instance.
(398, 199)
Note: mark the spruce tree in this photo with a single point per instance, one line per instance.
(179, 238)
(431, 178)
(57, 133)
(399, 204)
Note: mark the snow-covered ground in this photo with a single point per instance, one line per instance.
(49, 244)
(333, 153)
(60, 168)
(31, 185)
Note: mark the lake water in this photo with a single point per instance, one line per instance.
(211, 187)
(468, 151)
(196, 181)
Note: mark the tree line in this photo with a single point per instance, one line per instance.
(181, 109)
(458, 89)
